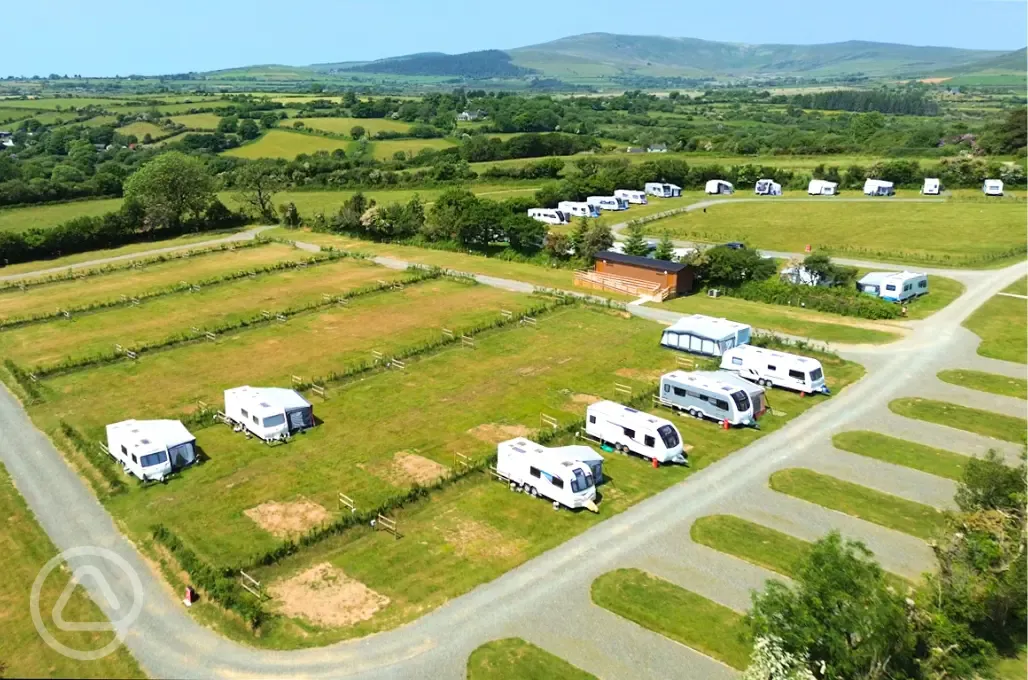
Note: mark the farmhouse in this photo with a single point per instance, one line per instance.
(271, 413)
(638, 275)
(701, 334)
(151, 449)
(468, 116)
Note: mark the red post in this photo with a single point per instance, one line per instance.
(656, 463)
(725, 425)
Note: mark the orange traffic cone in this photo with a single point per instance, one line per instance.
(724, 424)
(656, 463)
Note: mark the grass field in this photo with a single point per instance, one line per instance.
(1018, 288)
(386, 148)
(942, 291)
(902, 452)
(676, 613)
(198, 121)
(963, 234)
(515, 659)
(986, 382)
(867, 504)
(22, 219)
(752, 542)
(342, 126)
(974, 420)
(1002, 324)
(24, 550)
(287, 145)
(141, 128)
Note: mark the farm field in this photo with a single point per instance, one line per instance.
(964, 234)
(986, 382)
(902, 452)
(198, 121)
(385, 149)
(24, 550)
(515, 659)
(288, 145)
(1002, 324)
(342, 126)
(23, 219)
(141, 129)
(974, 420)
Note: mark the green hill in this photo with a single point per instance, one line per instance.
(484, 64)
(1009, 63)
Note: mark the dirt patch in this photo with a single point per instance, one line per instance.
(933, 81)
(407, 467)
(287, 519)
(494, 433)
(637, 374)
(327, 597)
(585, 398)
(477, 539)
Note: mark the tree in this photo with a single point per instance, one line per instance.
(989, 484)
(248, 129)
(523, 233)
(447, 214)
(228, 125)
(636, 243)
(557, 245)
(269, 120)
(665, 249)
(257, 182)
(169, 188)
(597, 239)
(147, 138)
(357, 131)
(769, 661)
(289, 215)
(578, 234)
(726, 266)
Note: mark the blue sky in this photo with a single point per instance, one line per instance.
(119, 37)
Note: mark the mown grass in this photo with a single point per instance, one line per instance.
(1019, 287)
(342, 126)
(1002, 324)
(963, 234)
(198, 121)
(941, 292)
(142, 128)
(974, 420)
(24, 550)
(676, 613)
(279, 143)
(986, 382)
(21, 219)
(884, 509)
(515, 659)
(902, 452)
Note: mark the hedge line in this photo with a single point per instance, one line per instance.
(69, 365)
(184, 287)
(846, 301)
(928, 258)
(102, 463)
(25, 382)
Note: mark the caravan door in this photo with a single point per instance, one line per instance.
(181, 455)
(300, 419)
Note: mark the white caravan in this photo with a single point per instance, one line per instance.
(701, 334)
(578, 209)
(608, 202)
(822, 187)
(548, 216)
(627, 429)
(767, 187)
(993, 187)
(932, 186)
(662, 190)
(271, 413)
(878, 187)
(716, 395)
(894, 286)
(779, 369)
(540, 471)
(634, 197)
(719, 186)
(151, 449)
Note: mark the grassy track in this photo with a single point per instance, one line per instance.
(515, 659)
(22, 219)
(287, 145)
(24, 550)
(1002, 324)
(676, 613)
(902, 452)
(974, 420)
(964, 234)
(859, 501)
(752, 542)
(986, 382)
(342, 126)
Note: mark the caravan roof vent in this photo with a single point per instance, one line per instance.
(630, 410)
(144, 441)
(265, 404)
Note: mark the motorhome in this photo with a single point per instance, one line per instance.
(151, 449)
(716, 395)
(700, 334)
(633, 197)
(608, 202)
(779, 369)
(663, 190)
(932, 186)
(767, 187)
(719, 186)
(538, 471)
(993, 187)
(578, 209)
(822, 187)
(548, 216)
(631, 431)
(271, 413)
(894, 286)
(878, 187)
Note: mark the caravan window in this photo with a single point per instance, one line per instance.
(256, 421)
(721, 404)
(668, 434)
(649, 441)
(592, 419)
(557, 481)
(679, 392)
(134, 459)
(629, 433)
(796, 375)
(534, 472)
(581, 482)
(742, 401)
(667, 388)
(245, 414)
(273, 421)
(155, 459)
(124, 450)
(816, 374)
(891, 287)
(736, 361)
(922, 284)
(771, 367)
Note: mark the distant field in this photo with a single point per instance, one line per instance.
(200, 121)
(101, 120)
(13, 114)
(21, 219)
(385, 149)
(141, 128)
(288, 145)
(170, 109)
(62, 103)
(341, 126)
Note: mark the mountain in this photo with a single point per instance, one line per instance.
(483, 64)
(1010, 62)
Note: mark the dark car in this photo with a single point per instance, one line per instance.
(735, 245)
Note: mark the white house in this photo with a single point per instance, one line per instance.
(894, 286)
(993, 187)
(781, 369)
(822, 187)
(271, 413)
(468, 116)
(700, 334)
(767, 187)
(878, 187)
(717, 395)
(719, 186)
(629, 430)
(578, 209)
(151, 449)
(932, 186)
(536, 470)
(634, 197)
(663, 190)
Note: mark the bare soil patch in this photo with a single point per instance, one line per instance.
(406, 467)
(326, 597)
(494, 433)
(287, 519)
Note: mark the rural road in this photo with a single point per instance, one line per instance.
(546, 599)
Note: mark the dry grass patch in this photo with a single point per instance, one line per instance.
(494, 433)
(406, 467)
(473, 539)
(287, 519)
(327, 597)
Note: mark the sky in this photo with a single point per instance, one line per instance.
(122, 37)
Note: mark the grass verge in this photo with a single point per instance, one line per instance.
(986, 382)
(902, 452)
(515, 659)
(676, 613)
(859, 501)
(1002, 324)
(965, 418)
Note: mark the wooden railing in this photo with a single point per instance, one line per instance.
(620, 284)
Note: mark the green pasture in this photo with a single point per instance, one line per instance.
(198, 121)
(342, 126)
(515, 659)
(385, 149)
(986, 382)
(1002, 324)
(282, 144)
(902, 452)
(141, 128)
(1019, 287)
(975, 420)
(59, 103)
(37, 216)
